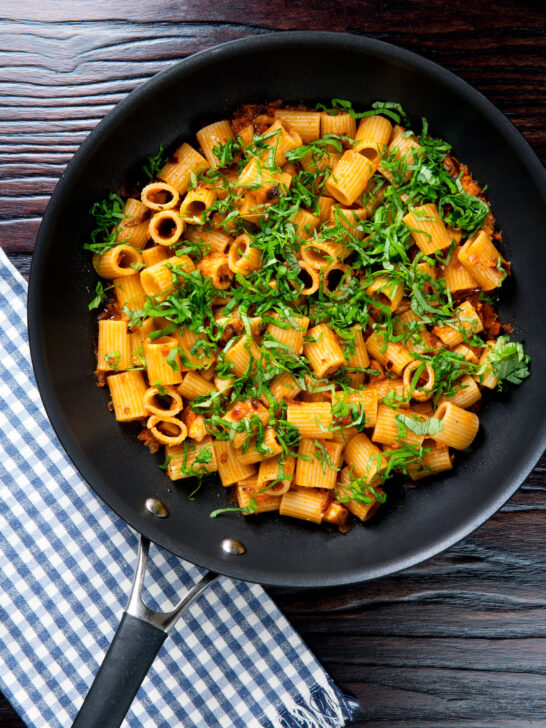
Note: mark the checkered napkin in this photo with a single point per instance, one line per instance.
(66, 567)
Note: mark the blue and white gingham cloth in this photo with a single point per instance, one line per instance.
(66, 568)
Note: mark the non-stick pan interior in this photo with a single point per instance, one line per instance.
(415, 523)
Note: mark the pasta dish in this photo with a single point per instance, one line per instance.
(303, 302)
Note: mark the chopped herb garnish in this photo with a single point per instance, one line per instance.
(113, 357)
(322, 455)
(107, 215)
(508, 361)
(100, 295)
(243, 359)
(165, 464)
(427, 427)
(250, 508)
(463, 211)
(155, 164)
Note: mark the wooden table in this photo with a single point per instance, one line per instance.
(459, 641)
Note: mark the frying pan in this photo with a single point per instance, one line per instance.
(414, 524)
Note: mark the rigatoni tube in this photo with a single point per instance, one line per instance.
(243, 355)
(483, 261)
(372, 137)
(166, 227)
(312, 419)
(256, 453)
(304, 123)
(127, 391)
(323, 351)
(163, 277)
(249, 498)
(230, 468)
(159, 196)
(318, 463)
(163, 403)
(350, 177)
(275, 474)
(466, 393)
(129, 292)
(114, 346)
(391, 354)
(133, 228)
(427, 229)
(167, 430)
(162, 361)
(306, 504)
(117, 262)
(460, 426)
(438, 460)
(212, 136)
(364, 457)
(194, 385)
(179, 167)
(290, 335)
(465, 323)
(191, 458)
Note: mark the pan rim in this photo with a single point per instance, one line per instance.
(116, 116)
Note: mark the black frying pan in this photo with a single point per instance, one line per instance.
(414, 524)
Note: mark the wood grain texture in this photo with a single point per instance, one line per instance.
(456, 642)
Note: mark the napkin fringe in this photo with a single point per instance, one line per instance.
(325, 707)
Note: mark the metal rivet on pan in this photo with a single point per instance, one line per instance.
(231, 546)
(156, 508)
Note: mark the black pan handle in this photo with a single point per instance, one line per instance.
(136, 643)
(129, 657)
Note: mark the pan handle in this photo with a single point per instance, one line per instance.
(136, 643)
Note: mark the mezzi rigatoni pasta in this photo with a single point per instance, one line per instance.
(300, 306)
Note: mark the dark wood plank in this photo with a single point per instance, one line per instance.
(456, 642)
